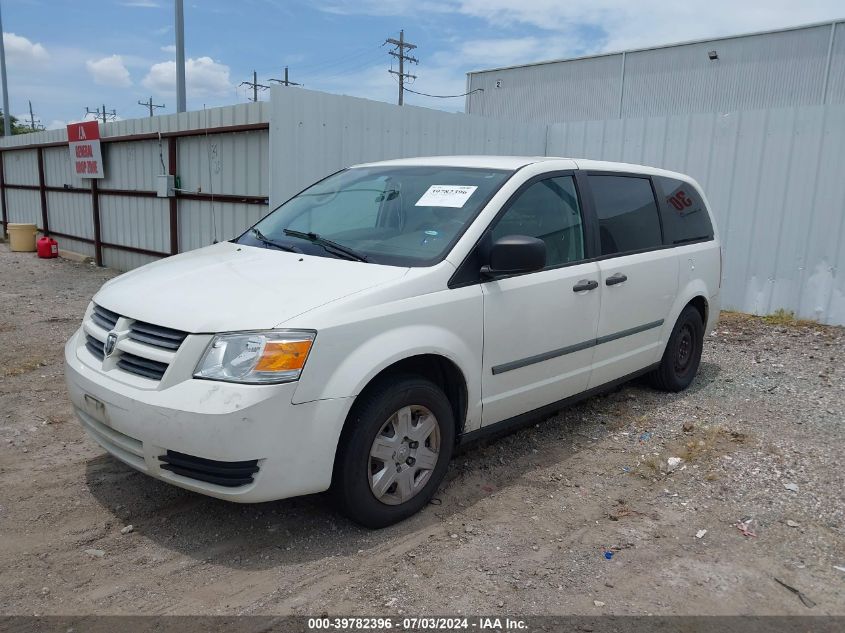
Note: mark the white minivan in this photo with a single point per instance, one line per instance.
(352, 338)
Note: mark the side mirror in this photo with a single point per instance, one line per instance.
(514, 254)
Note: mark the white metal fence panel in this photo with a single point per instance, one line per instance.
(123, 260)
(137, 222)
(313, 134)
(23, 206)
(774, 180)
(58, 171)
(134, 165)
(21, 168)
(75, 218)
(236, 163)
(200, 223)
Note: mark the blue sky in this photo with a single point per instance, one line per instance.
(66, 56)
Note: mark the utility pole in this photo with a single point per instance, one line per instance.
(285, 81)
(149, 104)
(7, 117)
(254, 85)
(34, 124)
(179, 27)
(399, 52)
(103, 115)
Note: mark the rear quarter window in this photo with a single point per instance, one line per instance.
(684, 215)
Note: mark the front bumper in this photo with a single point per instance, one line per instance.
(294, 445)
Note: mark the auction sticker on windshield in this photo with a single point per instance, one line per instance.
(454, 196)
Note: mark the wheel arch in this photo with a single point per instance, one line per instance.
(437, 368)
(700, 303)
(440, 370)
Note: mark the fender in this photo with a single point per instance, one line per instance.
(388, 348)
(346, 359)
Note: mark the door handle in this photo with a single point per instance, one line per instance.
(585, 284)
(618, 278)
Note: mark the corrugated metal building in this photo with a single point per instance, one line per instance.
(786, 68)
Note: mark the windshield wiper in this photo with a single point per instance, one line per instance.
(268, 242)
(329, 245)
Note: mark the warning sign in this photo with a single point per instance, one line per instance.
(86, 158)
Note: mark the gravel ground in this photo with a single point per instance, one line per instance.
(523, 525)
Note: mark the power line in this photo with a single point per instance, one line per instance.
(149, 104)
(345, 69)
(445, 96)
(285, 81)
(321, 65)
(103, 115)
(254, 85)
(399, 52)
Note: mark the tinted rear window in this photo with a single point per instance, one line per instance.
(685, 217)
(627, 214)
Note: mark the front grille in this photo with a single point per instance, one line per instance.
(156, 335)
(106, 319)
(94, 346)
(141, 366)
(229, 474)
(147, 339)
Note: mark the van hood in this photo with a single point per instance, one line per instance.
(228, 287)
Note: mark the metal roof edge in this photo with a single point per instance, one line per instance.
(799, 27)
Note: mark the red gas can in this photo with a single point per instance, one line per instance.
(48, 247)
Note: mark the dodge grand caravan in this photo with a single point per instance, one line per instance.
(352, 338)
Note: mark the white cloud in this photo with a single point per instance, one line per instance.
(109, 71)
(624, 24)
(203, 76)
(387, 7)
(143, 4)
(170, 48)
(56, 124)
(610, 24)
(20, 50)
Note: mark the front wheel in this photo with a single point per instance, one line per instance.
(395, 453)
(683, 353)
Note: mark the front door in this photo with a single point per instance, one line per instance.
(540, 327)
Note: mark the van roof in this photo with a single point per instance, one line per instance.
(515, 162)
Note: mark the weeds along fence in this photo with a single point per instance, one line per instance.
(220, 155)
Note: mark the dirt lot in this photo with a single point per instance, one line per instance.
(521, 526)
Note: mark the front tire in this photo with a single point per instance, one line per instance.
(682, 356)
(395, 452)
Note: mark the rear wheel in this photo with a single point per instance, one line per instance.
(396, 452)
(682, 356)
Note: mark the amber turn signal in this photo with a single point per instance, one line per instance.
(283, 355)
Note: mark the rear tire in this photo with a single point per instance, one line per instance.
(682, 356)
(394, 452)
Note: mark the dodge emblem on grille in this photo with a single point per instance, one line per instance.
(111, 341)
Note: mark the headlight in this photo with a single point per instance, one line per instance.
(256, 357)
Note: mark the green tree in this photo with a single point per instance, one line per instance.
(17, 128)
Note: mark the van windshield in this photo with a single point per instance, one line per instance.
(401, 216)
